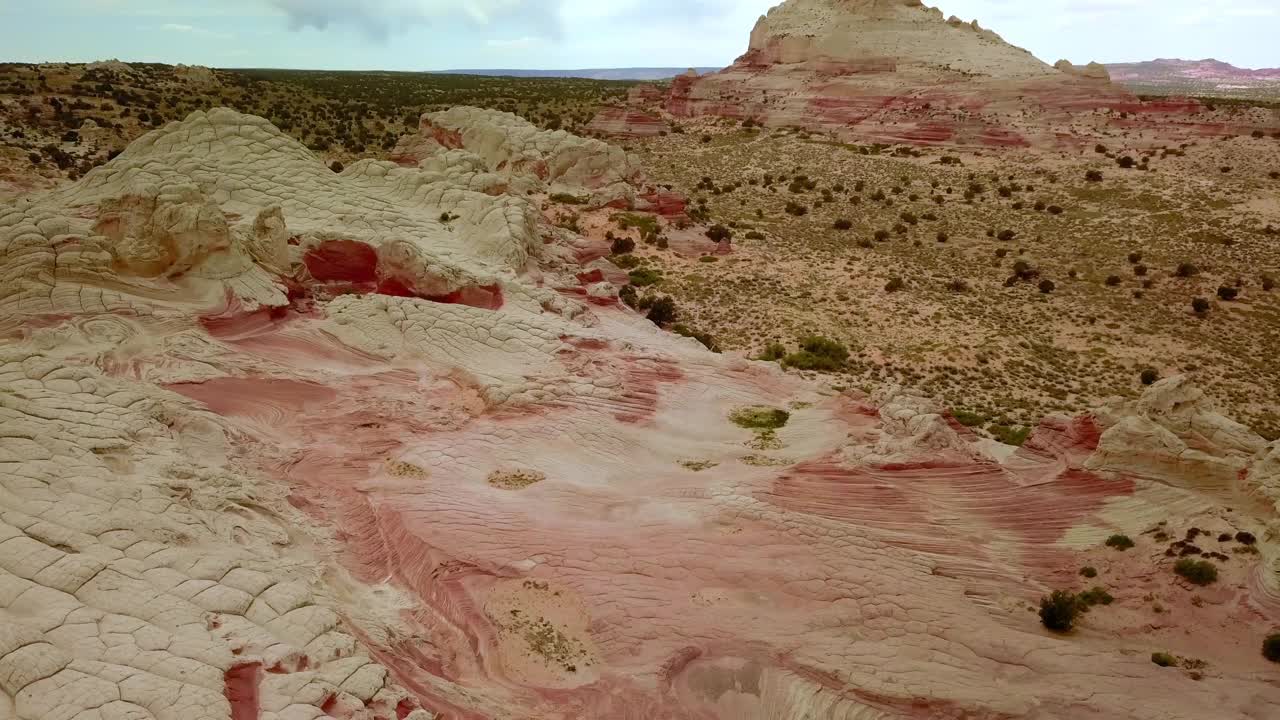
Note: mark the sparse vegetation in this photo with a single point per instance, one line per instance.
(1120, 542)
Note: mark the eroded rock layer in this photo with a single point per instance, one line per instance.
(277, 442)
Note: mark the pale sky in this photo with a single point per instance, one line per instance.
(565, 34)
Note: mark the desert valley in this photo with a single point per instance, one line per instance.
(888, 372)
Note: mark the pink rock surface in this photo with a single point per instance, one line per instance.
(268, 487)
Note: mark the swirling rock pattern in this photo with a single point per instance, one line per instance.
(277, 442)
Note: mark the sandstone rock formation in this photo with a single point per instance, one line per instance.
(278, 442)
(626, 122)
(896, 71)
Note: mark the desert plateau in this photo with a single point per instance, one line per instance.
(888, 372)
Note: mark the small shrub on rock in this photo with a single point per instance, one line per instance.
(1149, 376)
(1163, 659)
(1059, 611)
(662, 311)
(1271, 648)
(336, 166)
(622, 246)
(1120, 542)
(818, 353)
(1196, 572)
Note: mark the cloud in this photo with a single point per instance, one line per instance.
(378, 19)
(522, 43)
(193, 30)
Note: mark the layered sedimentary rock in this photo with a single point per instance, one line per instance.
(626, 122)
(897, 71)
(278, 442)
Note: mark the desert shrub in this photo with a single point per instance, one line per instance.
(626, 262)
(1149, 376)
(1047, 286)
(1100, 149)
(1058, 611)
(1089, 571)
(1228, 293)
(943, 237)
(1120, 542)
(1200, 306)
(818, 353)
(1245, 538)
(628, 296)
(1196, 572)
(1055, 210)
(707, 340)
(1271, 648)
(644, 277)
(957, 285)
(865, 243)
(1113, 280)
(718, 233)
(1140, 270)
(1006, 235)
(882, 235)
(1095, 596)
(895, 284)
(755, 235)
(567, 199)
(773, 352)
(1186, 270)
(759, 418)
(622, 246)
(336, 166)
(662, 311)
(1163, 659)
(1010, 435)
(1093, 176)
(796, 209)
(842, 224)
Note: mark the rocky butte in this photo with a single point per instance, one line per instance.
(898, 71)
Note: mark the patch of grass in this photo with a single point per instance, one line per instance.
(646, 224)
(760, 417)
(644, 277)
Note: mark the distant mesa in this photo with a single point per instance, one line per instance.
(898, 71)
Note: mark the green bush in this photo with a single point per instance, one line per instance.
(1089, 571)
(1059, 611)
(1120, 542)
(1196, 572)
(1010, 435)
(1163, 659)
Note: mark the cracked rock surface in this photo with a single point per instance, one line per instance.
(278, 442)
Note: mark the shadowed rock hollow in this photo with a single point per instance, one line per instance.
(278, 442)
